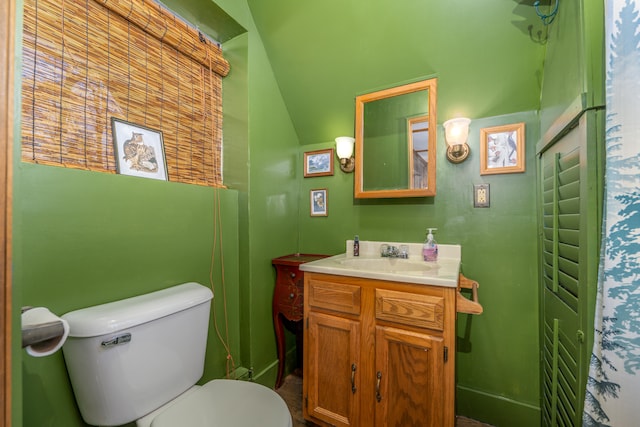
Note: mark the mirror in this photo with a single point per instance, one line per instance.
(396, 142)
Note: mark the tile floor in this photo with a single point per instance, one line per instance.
(291, 392)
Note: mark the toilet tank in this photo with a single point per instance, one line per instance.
(129, 357)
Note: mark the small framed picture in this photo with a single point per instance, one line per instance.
(139, 150)
(502, 149)
(318, 202)
(318, 163)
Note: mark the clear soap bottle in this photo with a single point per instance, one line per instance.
(430, 247)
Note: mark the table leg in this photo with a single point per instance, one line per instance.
(280, 346)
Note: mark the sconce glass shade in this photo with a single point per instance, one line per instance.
(456, 132)
(344, 147)
(344, 151)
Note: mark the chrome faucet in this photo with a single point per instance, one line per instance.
(390, 251)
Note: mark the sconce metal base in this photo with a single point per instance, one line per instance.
(347, 165)
(458, 153)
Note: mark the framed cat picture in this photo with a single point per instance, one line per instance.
(139, 150)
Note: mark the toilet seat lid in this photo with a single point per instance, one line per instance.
(227, 403)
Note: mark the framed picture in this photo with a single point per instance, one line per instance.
(318, 163)
(318, 202)
(502, 149)
(139, 150)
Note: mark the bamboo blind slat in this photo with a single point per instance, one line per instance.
(177, 34)
(85, 61)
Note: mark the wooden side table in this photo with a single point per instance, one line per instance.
(288, 303)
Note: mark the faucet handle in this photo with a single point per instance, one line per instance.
(404, 251)
(391, 251)
(384, 250)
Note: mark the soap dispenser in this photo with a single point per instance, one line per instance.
(430, 247)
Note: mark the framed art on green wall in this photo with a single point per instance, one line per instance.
(139, 150)
(318, 163)
(502, 149)
(318, 202)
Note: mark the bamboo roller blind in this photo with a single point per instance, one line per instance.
(85, 61)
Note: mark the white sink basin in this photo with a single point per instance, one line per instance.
(391, 265)
(371, 265)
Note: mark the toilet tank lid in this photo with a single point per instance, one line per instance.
(116, 316)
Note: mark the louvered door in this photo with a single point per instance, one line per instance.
(569, 203)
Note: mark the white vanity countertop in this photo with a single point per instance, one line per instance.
(370, 265)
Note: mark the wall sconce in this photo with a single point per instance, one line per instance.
(344, 151)
(456, 132)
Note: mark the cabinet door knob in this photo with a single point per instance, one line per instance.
(291, 295)
(293, 275)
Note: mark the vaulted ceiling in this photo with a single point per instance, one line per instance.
(487, 55)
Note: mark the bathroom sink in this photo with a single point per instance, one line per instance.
(391, 265)
(371, 265)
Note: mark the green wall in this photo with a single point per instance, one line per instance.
(270, 227)
(574, 64)
(487, 55)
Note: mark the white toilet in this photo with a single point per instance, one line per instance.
(138, 360)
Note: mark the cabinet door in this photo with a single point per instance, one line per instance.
(409, 379)
(331, 369)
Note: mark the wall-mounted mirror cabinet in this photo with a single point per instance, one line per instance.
(396, 142)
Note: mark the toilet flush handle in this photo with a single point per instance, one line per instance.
(120, 339)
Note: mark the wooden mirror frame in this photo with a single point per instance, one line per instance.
(361, 100)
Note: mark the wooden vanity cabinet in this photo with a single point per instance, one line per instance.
(378, 353)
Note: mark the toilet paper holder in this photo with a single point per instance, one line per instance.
(40, 333)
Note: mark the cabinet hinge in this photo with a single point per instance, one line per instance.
(446, 353)
(306, 401)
